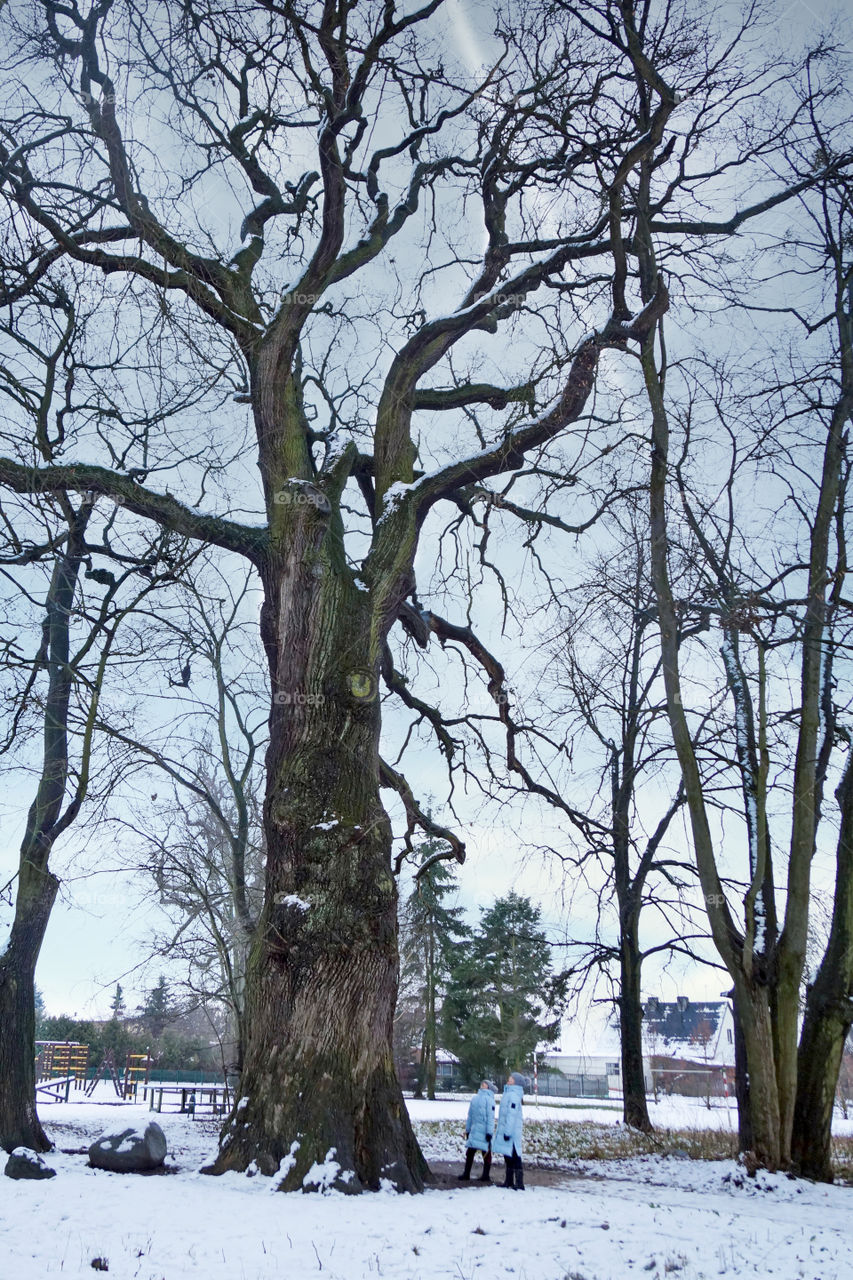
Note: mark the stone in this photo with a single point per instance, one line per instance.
(24, 1163)
(129, 1150)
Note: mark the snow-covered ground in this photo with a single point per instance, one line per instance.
(665, 1218)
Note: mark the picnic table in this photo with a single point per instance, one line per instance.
(193, 1098)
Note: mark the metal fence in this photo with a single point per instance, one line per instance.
(553, 1084)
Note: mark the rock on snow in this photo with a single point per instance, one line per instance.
(129, 1150)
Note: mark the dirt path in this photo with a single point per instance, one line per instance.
(447, 1172)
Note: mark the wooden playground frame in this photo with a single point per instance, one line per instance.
(60, 1064)
(137, 1070)
(63, 1064)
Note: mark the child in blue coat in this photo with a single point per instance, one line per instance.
(479, 1128)
(507, 1140)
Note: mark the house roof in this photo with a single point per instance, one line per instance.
(687, 1029)
(690, 1029)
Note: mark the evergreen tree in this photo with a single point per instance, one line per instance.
(501, 991)
(157, 1010)
(41, 1013)
(118, 1009)
(431, 934)
(115, 1032)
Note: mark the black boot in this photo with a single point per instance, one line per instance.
(487, 1166)
(508, 1172)
(469, 1161)
(519, 1177)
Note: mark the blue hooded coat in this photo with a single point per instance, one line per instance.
(510, 1123)
(481, 1120)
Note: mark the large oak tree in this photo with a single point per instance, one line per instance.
(318, 202)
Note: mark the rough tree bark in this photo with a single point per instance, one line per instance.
(829, 1013)
(318, 1077)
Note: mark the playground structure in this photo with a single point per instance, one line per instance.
(60, 1064)
(137, 1070)
(62, 1058)
(64, 1064)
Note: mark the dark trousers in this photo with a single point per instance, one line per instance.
(513, 1171)
(469, 1162)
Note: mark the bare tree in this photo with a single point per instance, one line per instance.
(77, 643)
(608, 662)
(310, 290)
(202, 848)
(829, 998)
(763, 954)
(72, 584)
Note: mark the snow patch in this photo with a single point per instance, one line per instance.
(322, 1177)
(119, 1131)
(285, 1166)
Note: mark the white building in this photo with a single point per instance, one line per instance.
(696, 1036)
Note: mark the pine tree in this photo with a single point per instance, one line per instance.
(157, 1011)
(501, 991)
(41, 1013)
(115, 1033)
(431, 934)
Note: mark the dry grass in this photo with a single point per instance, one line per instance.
(842, 1158)
(558, 1141)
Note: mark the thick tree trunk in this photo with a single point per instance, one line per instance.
(764, 1118)
(321, 1101)
(829, 1013)
(19, 1122)
(634, 1108)
(825, 1029)
(318, 1079)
